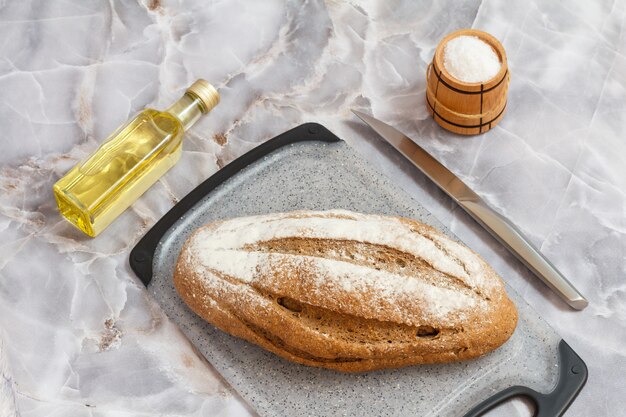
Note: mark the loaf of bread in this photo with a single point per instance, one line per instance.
(344, 290)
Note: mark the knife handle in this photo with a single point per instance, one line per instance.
(503, 230)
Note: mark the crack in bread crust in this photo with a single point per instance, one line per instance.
(438, 245)
(381, 257)
(279, 343)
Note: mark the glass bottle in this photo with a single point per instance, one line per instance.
(97, 190)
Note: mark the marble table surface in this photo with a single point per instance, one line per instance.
(79, 335)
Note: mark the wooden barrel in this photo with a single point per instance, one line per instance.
(461, 107)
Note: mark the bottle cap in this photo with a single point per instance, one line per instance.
(206, 93)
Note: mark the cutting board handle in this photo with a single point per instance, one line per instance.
(572, 377)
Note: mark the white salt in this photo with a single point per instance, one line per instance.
(469, 59)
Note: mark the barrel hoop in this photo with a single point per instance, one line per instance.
(479, 126)
(482, 87)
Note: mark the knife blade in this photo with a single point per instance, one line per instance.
(496, 224)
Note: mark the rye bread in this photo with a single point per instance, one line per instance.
(344, 290)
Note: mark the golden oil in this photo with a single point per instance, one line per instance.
(93, 193)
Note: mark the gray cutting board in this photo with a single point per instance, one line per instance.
(321, 175)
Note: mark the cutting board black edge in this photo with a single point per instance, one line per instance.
(573, 370)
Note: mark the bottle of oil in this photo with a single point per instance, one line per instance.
(93, 193)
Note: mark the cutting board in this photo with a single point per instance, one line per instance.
(310, 168)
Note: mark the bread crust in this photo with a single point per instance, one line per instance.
(345, 291)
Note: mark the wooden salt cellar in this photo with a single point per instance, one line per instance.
(461, 107)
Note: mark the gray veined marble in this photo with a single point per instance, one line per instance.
(81, 337)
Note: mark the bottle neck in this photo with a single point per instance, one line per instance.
(187, 109)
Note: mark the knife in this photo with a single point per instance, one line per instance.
(496, 224)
